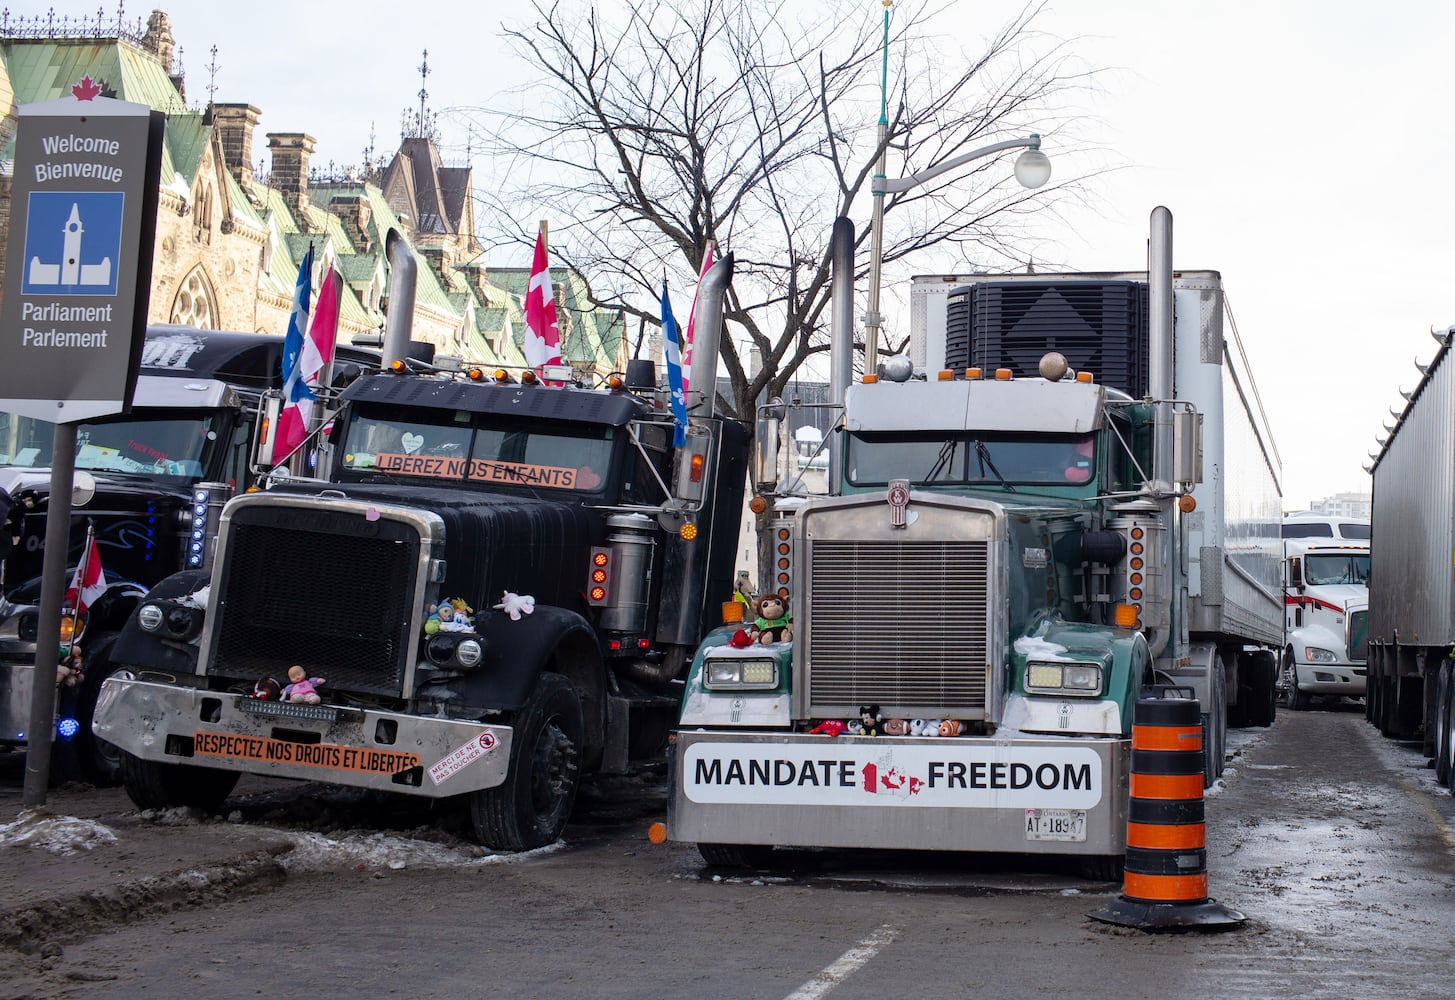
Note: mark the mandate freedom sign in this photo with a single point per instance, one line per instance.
(78, 263)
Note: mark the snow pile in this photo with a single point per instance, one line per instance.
(313, 852)
(54, 833)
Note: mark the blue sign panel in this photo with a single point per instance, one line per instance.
(72, 242)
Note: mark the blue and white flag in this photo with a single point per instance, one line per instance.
(672, 351)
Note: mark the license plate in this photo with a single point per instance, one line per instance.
(1056, 824)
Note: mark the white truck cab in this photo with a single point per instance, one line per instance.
(1326, 601)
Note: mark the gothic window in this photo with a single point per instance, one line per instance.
(202, 215)
(196, 303)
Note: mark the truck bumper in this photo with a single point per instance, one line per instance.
(388, 751)
(958, 794)
(1346, 679)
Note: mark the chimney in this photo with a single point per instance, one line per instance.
(234, 124)
(291, 151)
(354, 212)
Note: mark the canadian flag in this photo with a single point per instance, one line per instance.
(542, 334)
(88, 583)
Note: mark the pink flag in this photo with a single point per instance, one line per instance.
(687, 339)
(88, 583)
(542, 335)
(313, 361)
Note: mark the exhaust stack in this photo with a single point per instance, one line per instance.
(403, 277)
(707, 339)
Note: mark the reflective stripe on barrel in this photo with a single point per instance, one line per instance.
(1166, 837)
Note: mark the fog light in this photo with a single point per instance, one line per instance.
(469, 652)
(149, 617)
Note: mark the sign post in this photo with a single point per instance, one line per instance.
(77, 287)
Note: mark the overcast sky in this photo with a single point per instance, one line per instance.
(1304, 149)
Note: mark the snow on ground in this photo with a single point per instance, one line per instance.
(54, 833)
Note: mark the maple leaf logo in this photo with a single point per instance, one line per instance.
(87, 89)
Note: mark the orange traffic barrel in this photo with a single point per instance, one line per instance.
(1165, 880)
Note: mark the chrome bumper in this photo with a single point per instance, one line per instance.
(389, 751)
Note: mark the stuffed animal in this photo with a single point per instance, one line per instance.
(452, 615)
(828, 727)
(300, 687)
(516, 605)
(853, 728)
(896, 727)
(951, 727)
(870, 720)
(741, 639)
(772, 623)
(919, 727)
(268, 689)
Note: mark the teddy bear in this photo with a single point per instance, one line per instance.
(773, 621)
(300, 686)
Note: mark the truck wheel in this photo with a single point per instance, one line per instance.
(1262, 689)
(531, 807)
(153, 785)
(98, 761)
(1215, 731)
(1103, 867)
(1292, 697)
(1450, 737)
(736, 855)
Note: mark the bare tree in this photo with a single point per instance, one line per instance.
(753, 124)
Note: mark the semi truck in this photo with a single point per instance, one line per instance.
(1326, 599)
(1411, 591)
(1075, 496)
(144, 477)
(496, 591)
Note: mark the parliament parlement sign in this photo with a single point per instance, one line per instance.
(78, 263)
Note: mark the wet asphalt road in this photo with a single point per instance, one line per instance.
(1334, 842)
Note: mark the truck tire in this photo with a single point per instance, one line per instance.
(735, 855)
(153, 785)
(1215, 730)
(1450, 731)
(1262, 691)
(98, 761)
(1293, 698)
(1103, 867)
(531, 807)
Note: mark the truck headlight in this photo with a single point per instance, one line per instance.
(170, 620)
(1053, 677)
(1313, 654)
(734, 674)
(455, 650)
(150, 617)
(469, 652)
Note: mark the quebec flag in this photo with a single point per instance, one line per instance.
(671, 349)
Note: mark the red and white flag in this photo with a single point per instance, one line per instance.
(88, 582)
(707, 259)
(542, 334)
(313, 360)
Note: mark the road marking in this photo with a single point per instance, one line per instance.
(844, 966)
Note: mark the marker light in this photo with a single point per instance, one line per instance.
(688, 531)
(615, 383)
(869, 379)
(946, 375)
(1187, 503)
(476, 375)
(598, 579)
(1126, 615)
(757, 505)
(66, 728)
(528, 377)
(1084, 377)
(502, 376)
(699, 462)
(1003, 374)
(398, 367)
(972, 373)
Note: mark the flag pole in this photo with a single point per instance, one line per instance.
(81, 571)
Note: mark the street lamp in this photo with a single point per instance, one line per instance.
(1032, 169)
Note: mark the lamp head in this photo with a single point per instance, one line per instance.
(1033, 167)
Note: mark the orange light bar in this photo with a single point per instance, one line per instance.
(869, 379)
(1084, 377)
(598, 593)
(946, 375)
(972, 372)
(600, 559)
(1003, 374)
(1126, 615)
(598, 575)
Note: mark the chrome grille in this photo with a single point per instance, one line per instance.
(899, 624)
(330, 592)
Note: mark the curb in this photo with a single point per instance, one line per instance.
(66, 919)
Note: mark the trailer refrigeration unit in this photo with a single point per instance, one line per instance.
(497, 590)
(145, 477)
(1014, 544)
(1326, 598)
(1411, 590)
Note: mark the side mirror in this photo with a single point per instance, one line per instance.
(268, 411)
(1295, 574)
(1187, 446)
(767, 437)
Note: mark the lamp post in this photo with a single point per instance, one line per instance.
(1032, 169)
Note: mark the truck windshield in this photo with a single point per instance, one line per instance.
(472, 447)
(971, 460)
(1325, 570)
(145, 443)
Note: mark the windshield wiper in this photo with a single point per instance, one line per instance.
(942, 461)
(982, 455)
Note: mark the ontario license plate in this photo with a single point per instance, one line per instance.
(1056, 824)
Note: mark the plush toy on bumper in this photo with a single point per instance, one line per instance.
(773, 622)
(301, 687)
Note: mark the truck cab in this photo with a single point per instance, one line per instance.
(1326, 600)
